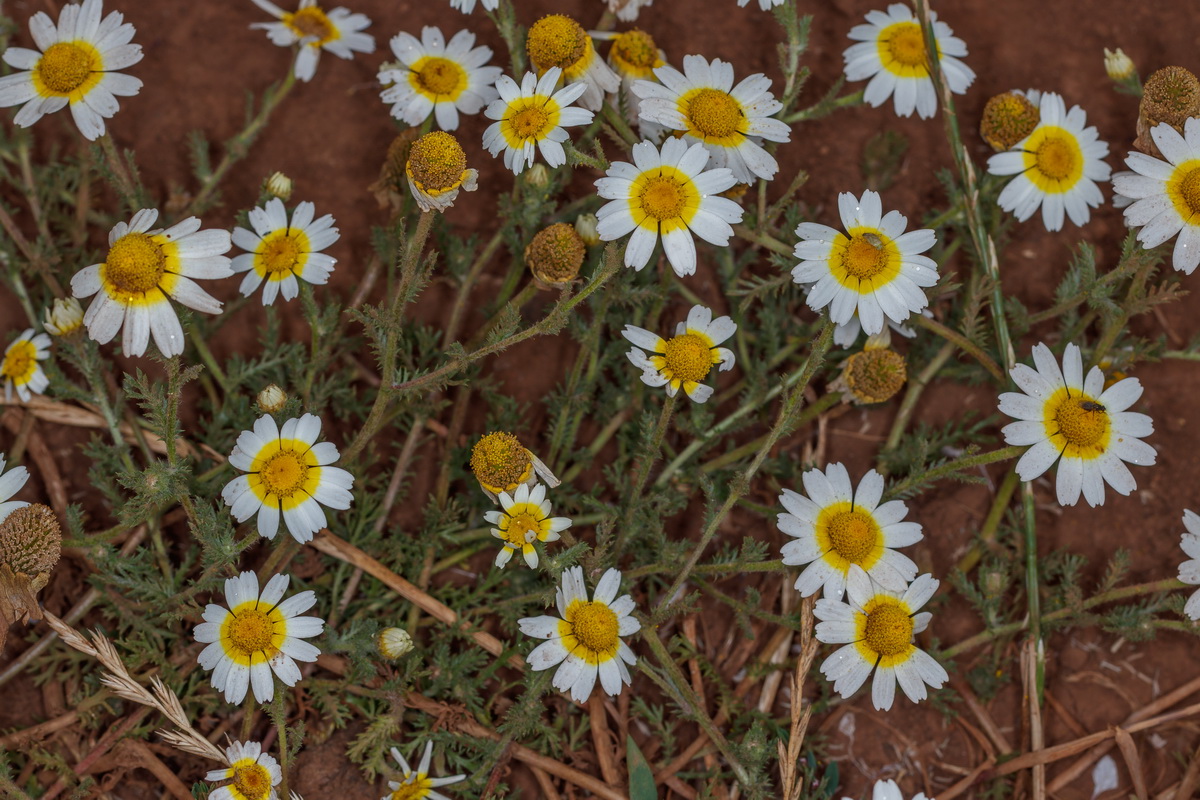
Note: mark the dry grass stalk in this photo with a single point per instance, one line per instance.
(1037, 736)
(1133, 761)
(1191, 779)
(791, 778)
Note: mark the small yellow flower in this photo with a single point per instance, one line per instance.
(524, 519)
(873, 376)
(20, 368)
(556, 40)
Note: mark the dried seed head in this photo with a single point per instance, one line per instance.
(874, 375)
(279, 185)
(556, 40)
(1171, 95)
(30, 540)
(437, 162)
(1007, 119)
(393, 642)
(272, 399)
(556, 254)
(500, 462)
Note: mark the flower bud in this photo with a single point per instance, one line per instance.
(587, 226)
(393, 642)
(1118, 65)
(280, 186)
(556, 254)
(64, 318)
(272, 399)
(538, 176)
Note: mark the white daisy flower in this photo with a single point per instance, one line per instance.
(1189, 571)
(10, 484)
(309, 26)
(556, 40)
(586, 640)
(1056, 167)
(467, 6)
(531, 116)
(142, 269)
(256, 635)
(437, 170)
(502, 464)
(667, 192)
(837, 527)
(627, 10)
(78, 65)
(891, 52)
(438, 78)
(280, 251)
(888, 790)
(687, 357)
(1062, 414)
(634, 56)
(524, 518)
(765, 5)
(846, 334)
(875, 268)
(289, 475)
(417, 785)
(730, 120)
(254, 774)
(877, 629)
(20, 368)
(1166, 194)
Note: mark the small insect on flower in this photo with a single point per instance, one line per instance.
(257, 635)
(586, 640)
(439, 78)
(309, 26)
(20, 368)
(687, 357)
(556, 40)
(10, 484)
(524, 519)
(253, 774)
(417, 784)
(282, 252)
(78, 64)
(501, 464)
(289, 475)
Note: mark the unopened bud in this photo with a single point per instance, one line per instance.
(393, 642)
(1118, 65)
(64, 318)
(272, 399)
(587, 226)
(280, 186)
(538, 176)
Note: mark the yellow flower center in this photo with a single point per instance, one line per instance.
(284, 473)
(1082, 422)
(500, 461)
(595, 626)
(250, 632)
(252, 780)
(523, 528)
(714, 113)
(437, 162)
(439, 76)
(1056, 158)
(906, 45)
(280, 253)
(688, 357)
(864, 259)
(875, 375)
(853, 535)
(135, 264)
(555, 41)
(311, 22)
(889, 629)
(1007, 119)
(1184, 189)
(417, 790)
(530, 122)
(19, 362)
(64, 67)
(663, 197)
(636, 48)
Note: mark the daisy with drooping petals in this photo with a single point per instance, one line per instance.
(10, 484)
(730, 120)
(667, 192)
(309, 26)
(437, 170)
(687, 357)
(253, 773)
(1060, 413)
(256, 635)
(837, 527)
(438, 77)
(532, 116)
(467, 6)
(1166, 194)
(77, 66)
(289, 475)
(875, 268)
(877, 629)
(417, 785)
(20, 367)
(634, 56)
(502, 464)
(586, 640)
(280, 251)
(891, 52)
(524, 518)
(1055, 167)
(888, 790)
(1189, 571)
(556, 40)
(142, 269)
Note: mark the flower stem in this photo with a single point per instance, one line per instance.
(648, 457)
(965, 344)
(130, 192)
(952, 467)
(1033, 588)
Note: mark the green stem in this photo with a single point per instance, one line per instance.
(818, 110)
(762, 240)
(911, 395)
(965, 344)
(209, 361)
(618, 123)
(464, 291)
(823, 404)
(125, 184)
(953, 467)
(987, 533)
(649, 456)
(1033, 590)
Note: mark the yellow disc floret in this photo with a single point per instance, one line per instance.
(1083, 423)
(635, 54)
(248, 632)
(595, 626)
(529, 120)
(902, 50)
(1056, 159)
(280, 252)
(556, 254)
(556, 41)
(438, 77)
(417, 790)
(437, 162)
(524, 525)
(874, 375)
(1053, 159)
(66, 66)
(889, 629)
(865, 257)
(284, 473)
(252, 779)
(853, 535)
(311, 23)
(500, 462)
(662, 197)
(688, 357)
(1183, 187)
(713, 114)
(20, 362)
(135, 264)
(1007, 119)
